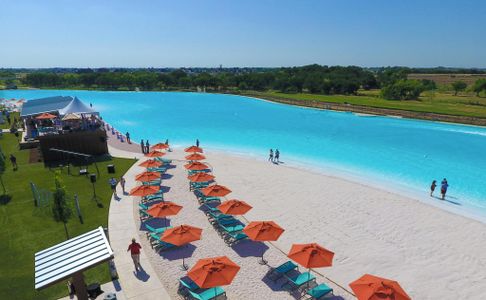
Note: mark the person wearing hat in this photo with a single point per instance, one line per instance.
(134, 249)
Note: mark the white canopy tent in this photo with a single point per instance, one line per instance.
(78, 107)
(70, 259)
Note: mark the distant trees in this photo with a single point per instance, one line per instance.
(479, 86)
(458, 86)
(311, 79)
(403, 90)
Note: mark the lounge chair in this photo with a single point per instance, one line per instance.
(144, 215)
(234, 238)
(233, 228)
(280, 271)
(208, 294)
(154, 182)
(186, 285)
(156, 231)
(319, 291)
(299, 281)
(160, 245)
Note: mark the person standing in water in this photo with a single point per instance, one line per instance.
(277, 155)
(270, 156)
(443, 188)
(197, 142)
(432, 187)
(142, 146)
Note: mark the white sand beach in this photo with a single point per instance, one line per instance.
(432, 253)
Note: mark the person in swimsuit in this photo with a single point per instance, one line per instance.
(432, 187)
(270, 156)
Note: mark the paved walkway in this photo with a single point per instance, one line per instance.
(122, 227)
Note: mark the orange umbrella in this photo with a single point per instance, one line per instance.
(150, 163)
(195, 156)
(234, 207)
(182, 235)
(263, 231)
(144, 190)
(194, 149)
(212, 272)
(154, 154)
(215, 190)
(160, 146)
(201, 177)
(46, 116)
(311, 255)
(147, 176)
(164, 209)
(196, 166)
(370, 287)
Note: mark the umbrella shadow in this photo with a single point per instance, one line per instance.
(166, 176)
(250, 249)
(171, 166)
(155, 223)
(179, 252)
(164, 189)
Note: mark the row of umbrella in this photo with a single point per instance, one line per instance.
(218, 271)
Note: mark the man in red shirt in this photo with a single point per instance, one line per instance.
(134, 249)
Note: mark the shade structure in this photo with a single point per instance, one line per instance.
(215, 190)
(160, 146)
(71, 117)
(195, 156)
(164, 209)
(45, 116)
(194, 149)
(182, 235)
(201, 177)
(234, 207)
(196, 166)
(147, 176)
(150, 163)
(311, 255)
(144, 190)
(155, 154)
(263, 231)
(370, 287)
(212, 272)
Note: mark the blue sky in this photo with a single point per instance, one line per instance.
(143, 33)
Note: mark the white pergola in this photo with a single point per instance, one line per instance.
(70, 259)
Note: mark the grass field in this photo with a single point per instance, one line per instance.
(441, 103)
(26, 229)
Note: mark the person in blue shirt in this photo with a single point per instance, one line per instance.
(443, 188)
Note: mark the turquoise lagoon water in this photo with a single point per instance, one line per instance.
(406, 154)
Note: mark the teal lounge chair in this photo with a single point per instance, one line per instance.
(231, 228)
(319, 291)
(234, 238)
(144, 215)
(299, 281)
(156, 231)
(186, 285)
(208, 294)
(162, 246)
(280, 271)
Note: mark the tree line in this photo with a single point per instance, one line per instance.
(316, 79)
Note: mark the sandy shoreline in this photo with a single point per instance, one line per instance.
(434, 254)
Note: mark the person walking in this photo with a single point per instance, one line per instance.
(142, 146)
(197, 142)
(113, 183)
(147, 146)
(443, 188)
(134, 249)
(122, 183)
(270, 156)
(277, 155)
(13, 160)
(128, 137)
(432, 187)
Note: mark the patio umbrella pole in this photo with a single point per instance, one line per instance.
(184, 266)
(262, 261)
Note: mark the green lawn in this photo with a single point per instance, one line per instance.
(26, 229)
(442, 103)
